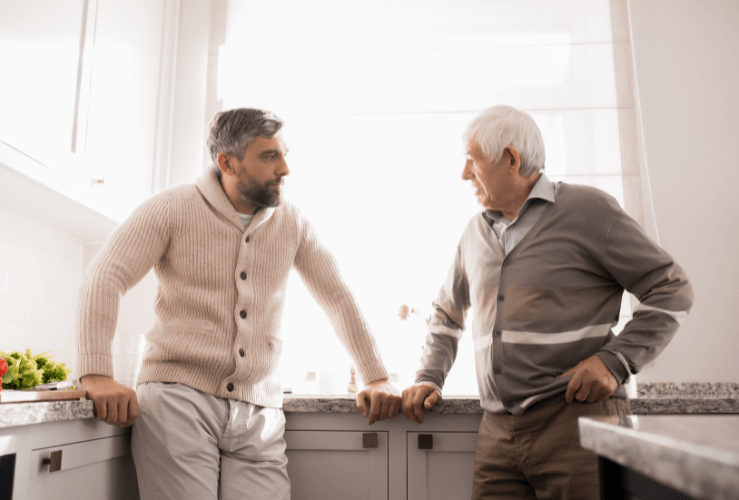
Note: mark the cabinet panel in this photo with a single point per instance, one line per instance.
(102, 466)
(41, 46)
(337, 465)
(442, 469)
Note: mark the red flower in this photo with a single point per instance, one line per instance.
(3, 369)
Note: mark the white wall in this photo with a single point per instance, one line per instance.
(41, 265)
(687, 76)
(40, 269)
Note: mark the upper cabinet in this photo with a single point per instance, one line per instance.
(84, 105)
(42, 46)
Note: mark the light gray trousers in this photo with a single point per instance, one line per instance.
(189, 444)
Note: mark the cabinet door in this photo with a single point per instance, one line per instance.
(440, 465)
(337, 465)
(100, 468)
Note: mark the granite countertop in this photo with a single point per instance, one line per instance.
(651, 398)
(686, 398)
(697, 455)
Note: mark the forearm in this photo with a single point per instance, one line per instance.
(439, 352)
(651, 328)
(664, 292)
(124, 260)
(320, 273)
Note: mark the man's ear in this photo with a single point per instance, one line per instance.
(515, 159)
(223, 163)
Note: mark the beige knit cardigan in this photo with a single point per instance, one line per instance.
(220, 296)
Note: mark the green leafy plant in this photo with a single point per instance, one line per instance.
(26, 370)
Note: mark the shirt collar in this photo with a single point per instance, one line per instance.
(209, 184)
(543, 191)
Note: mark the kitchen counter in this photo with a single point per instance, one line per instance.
(671, 398)
(651, 398)
(694, 455)
(16, 414)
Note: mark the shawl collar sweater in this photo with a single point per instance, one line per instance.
(553, 300)
(221, 293)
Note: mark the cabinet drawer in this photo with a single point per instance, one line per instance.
(440, 465)
(102, 466)
(337, 465)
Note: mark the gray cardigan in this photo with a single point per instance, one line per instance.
(553, 300)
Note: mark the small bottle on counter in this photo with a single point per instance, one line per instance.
(352, 389)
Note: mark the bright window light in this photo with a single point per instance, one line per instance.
(375, 97)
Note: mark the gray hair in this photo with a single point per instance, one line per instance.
(499, 126)
(233, 130)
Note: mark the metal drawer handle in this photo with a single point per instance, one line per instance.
(425, 441)
(55, 462)
(369, 440)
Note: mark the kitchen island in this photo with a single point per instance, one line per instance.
(665, 456)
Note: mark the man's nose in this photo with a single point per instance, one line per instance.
(282, 168)
(467, 170)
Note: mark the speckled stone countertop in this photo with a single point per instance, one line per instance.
(651, 398)
(697, 455)
(15, 414)
(686, 398)
(347, 404)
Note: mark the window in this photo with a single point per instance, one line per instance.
(375, 96)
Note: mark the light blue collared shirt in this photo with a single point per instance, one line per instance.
(509, 233)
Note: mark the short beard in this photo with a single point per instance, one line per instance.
(258, 194)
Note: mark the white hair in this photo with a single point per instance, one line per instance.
(499, 126)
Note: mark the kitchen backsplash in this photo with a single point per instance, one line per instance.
(40, 272)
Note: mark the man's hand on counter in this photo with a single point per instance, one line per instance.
(383, 398)
(115, 403)
(416, 398)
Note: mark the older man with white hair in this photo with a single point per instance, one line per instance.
(544, 269)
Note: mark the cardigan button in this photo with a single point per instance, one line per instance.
(230, 387)
(241, 352)
(505, 263)
(496, 333)
(246, 240)
(498, 371)
(242, 314)
(501, 298)
(243, 275)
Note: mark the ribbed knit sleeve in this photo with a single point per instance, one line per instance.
(134, 247)
(320, 273)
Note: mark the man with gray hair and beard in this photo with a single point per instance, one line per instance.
(544, 269)
(207, 407)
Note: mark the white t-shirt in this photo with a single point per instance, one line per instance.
(245, 219)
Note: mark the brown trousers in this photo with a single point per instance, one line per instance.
(538, 455)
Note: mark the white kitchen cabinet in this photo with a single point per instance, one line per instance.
(337, 465)
(321, 465)
(70, 472)
(440, 465)
(92, 458)
(85, 105)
